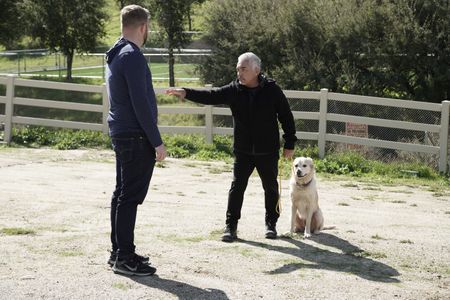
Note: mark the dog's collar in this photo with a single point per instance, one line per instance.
(304, 184)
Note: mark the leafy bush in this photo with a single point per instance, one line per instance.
(63, 139)
(195, 147)
(346, 45)
(345, 163)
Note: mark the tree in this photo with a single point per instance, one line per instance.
(170, 16)
(190, 4)
(123, 3)
(371, 47)
(10, 18)
(67, 26)
(418, 45)
(234, 27)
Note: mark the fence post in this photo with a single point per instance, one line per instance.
(9, 108)
(322, 121)
(209, 123)
(443, 137)
(105, 104)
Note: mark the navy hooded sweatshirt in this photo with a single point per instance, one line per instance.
(131, 96)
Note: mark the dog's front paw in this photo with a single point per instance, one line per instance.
(307, 235)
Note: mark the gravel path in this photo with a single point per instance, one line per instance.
(390, 242)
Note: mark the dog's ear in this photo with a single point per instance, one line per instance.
(310, 161)
(294, 162)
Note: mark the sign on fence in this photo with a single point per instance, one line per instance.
(357, 130)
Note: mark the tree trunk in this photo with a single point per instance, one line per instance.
(189, 18)
(69, 57)
(171, 66)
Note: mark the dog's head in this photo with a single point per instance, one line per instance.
(303, 169)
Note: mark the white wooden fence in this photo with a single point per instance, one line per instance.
(322, 116)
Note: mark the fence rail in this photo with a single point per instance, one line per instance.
(322, 116)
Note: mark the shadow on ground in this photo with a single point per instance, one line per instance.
(180, 289)
(351, 260)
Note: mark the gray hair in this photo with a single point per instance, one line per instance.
(251, 57)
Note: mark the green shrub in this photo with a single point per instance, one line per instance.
(343, 164)
(63, 139)
(307, 151)
(195, 147)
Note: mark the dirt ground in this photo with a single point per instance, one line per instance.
(390, 242)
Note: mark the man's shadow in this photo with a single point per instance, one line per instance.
(180, 289)
(351, 260)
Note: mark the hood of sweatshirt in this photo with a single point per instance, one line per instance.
(114, 50)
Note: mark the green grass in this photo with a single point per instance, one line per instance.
(220, 170)
(70, 253)
(215, 234)
(398, 201)
(159, 70)
(121, 286)
(247, 252)
(350, 185)
(406, 242)
(17, 231)
(33, 63)
(377, 237)
(182, 239)
(366, 254)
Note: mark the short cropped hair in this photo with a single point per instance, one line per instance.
(133, 16)
(251, 57)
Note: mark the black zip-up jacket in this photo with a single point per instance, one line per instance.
(255, 117)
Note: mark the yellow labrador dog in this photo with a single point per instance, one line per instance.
(306, 215)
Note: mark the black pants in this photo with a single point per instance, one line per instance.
(135, 161)
(267, 167)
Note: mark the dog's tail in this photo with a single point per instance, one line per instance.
(329, 227)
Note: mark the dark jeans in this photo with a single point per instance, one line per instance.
(267, 167)
(135, 160)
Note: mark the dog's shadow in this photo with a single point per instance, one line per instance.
(179, 289)
(351, 260)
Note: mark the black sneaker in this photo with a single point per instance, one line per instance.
(271, 231)
(229, 235)
(133, 267)
(113, 257)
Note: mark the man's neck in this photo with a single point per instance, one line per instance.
(135, 40)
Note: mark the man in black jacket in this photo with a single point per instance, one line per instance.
(257, 104)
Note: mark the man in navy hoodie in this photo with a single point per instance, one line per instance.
(257, 105)
(135, 137)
